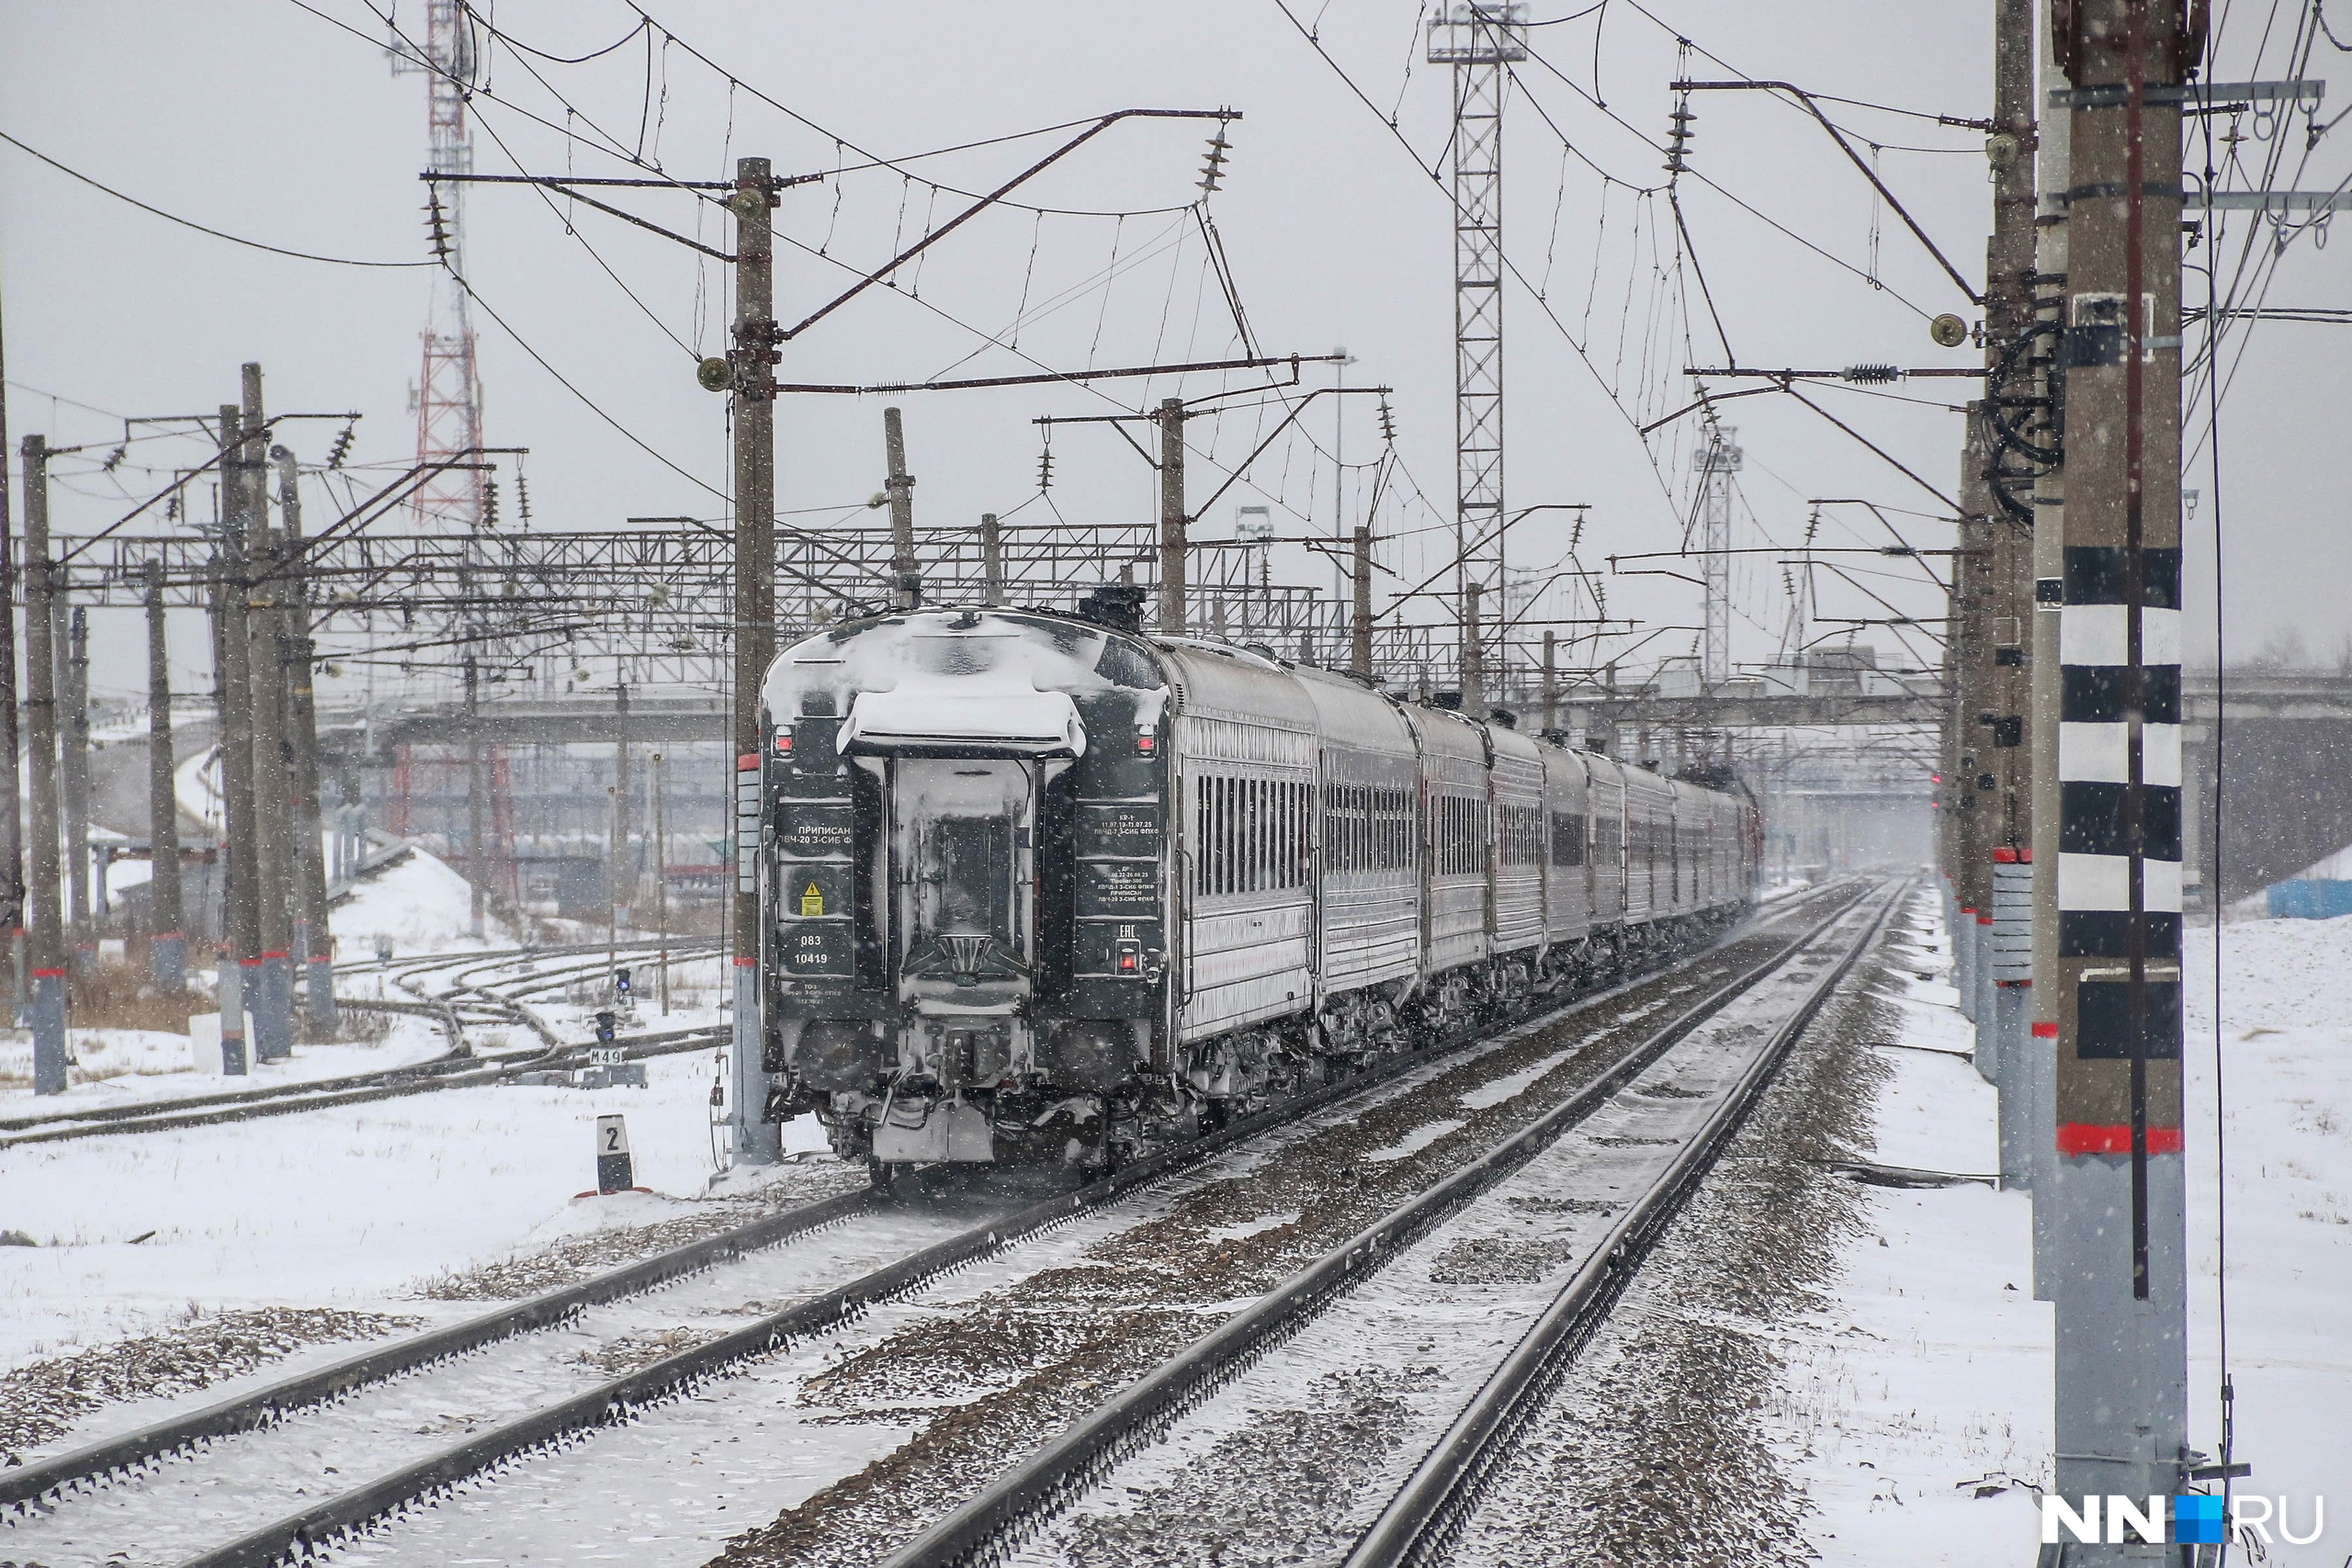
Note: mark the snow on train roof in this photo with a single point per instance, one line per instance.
(962, 675)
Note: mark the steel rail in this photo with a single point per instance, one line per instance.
(169, 1117)
(265, 1407)
(350, 1513)
(454, 1068)
(1428, 1513)
(989, 1526)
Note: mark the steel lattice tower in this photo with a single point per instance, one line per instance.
(1716, 463)
(1480, 38)
(448, 387)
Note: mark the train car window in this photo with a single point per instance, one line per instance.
(1230, 834)
(1277, 831)
(1568, 839)
(1248, 835)
(1253, 831)
(1212, 840)
(1294, 851)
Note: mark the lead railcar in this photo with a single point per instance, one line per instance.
(1040, 888)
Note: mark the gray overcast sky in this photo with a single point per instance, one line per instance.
(259, 118)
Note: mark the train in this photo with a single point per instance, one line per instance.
(1039, 887)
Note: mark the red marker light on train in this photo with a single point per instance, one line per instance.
(784, 740)
(1145, 743)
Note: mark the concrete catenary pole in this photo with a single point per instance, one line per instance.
(1474, 652)
(272, 837)
(476, 868)
(2120, 1226)
(661, 876)
(12, 845)
(232, 653)
(46, 954)
(73, 764)
(1550, 691)
(167, 925)
(623, 876)
(2007, 814)
(755, 357)
(991, 559)
(313, 942)
(1173, 543)
(1360, 623)
(1969, 784)
(2051, 157)
(906, 576)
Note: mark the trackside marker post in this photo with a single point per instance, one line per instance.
(614, 1172)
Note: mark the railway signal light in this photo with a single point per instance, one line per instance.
(604, 1027)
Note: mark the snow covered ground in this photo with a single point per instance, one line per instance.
(342, 1207)
(420, 905)
(1919, 1409)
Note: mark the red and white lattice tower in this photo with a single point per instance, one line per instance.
(448, 388)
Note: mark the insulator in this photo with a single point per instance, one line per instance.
(490, 503)
(1871, 375)
(523, 496)
(342, 447)
(1215, 168)
(1387, 422)
(1046, 469)
(1677, 136)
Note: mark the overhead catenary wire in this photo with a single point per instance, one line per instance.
(190, 223)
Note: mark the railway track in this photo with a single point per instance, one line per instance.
(517, 1375)
(483, 990)
(1655, 1121)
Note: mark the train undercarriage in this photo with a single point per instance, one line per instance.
(970, 1097)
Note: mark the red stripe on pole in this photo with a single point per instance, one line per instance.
(747, 963)
(248, 963)
(2045, 1032)
(2083, 1138)
(2005, 857)
(747, 762)
(1984, 920)
(167, 936)
(49, 974)
(266, 957)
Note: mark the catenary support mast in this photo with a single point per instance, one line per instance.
(2119, 1229)
(167, 924)
(269, 838)
(1479, 38)
(756, 354)
(47, 935)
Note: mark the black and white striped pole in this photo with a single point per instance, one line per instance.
(2119, 1230)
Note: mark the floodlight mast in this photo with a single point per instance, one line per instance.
(1716, 463)
(1479, 38)
(448, 387)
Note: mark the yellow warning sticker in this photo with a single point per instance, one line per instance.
(812, 902)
